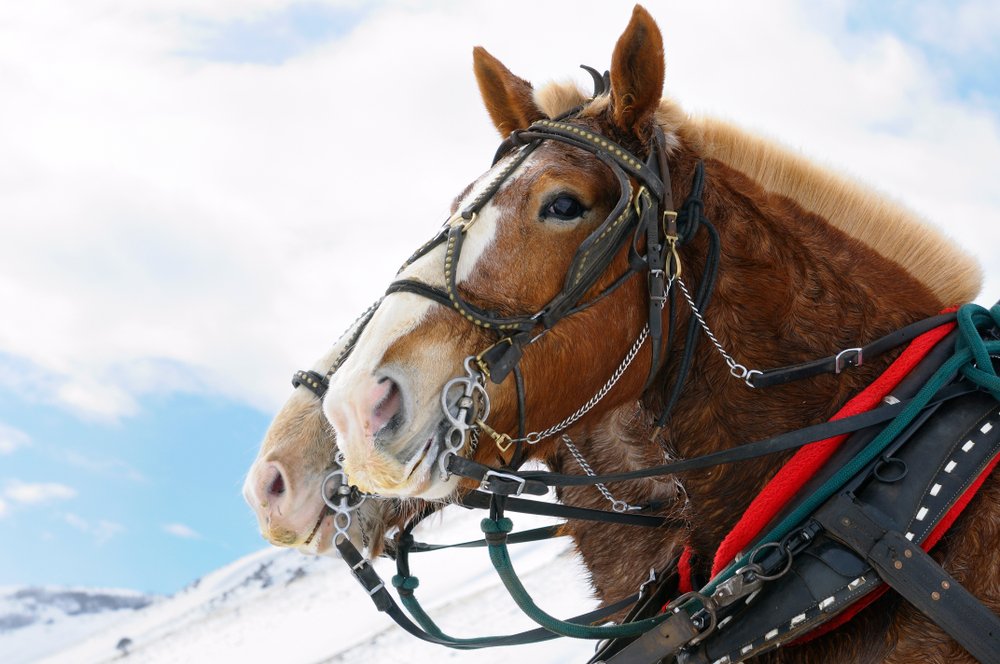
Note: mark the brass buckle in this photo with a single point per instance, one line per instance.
(458, 219)
(669, 222)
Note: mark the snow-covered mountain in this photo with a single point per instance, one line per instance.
(279, 606)
(37, 621)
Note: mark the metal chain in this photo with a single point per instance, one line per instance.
(736, 369)
(537, 436)
(616, 505)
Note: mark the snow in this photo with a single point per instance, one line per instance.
(279, 606)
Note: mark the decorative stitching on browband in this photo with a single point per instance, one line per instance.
(594, 139)
(613, 225)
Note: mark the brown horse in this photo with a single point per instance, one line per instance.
(810, 264)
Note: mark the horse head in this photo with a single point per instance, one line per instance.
(532, 260)
(285, 484)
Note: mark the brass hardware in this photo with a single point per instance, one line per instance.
(945, 585)
(935, 595)
(483, 367)
(908, 553)
(458, 220)
(639, 194)
(502, 440)
(672, 241)
(898, 564)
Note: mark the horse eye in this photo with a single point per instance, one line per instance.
(564, 208)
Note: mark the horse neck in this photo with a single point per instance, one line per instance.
(790, 288)
(619, 557)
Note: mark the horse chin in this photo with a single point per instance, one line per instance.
(411, 473)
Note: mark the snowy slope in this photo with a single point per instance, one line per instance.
(279, 606)
(35, 622)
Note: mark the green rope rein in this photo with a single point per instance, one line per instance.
(496, 531)
(405, 587)
(971, 359)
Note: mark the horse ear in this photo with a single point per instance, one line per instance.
(637, 72)
(508, 98)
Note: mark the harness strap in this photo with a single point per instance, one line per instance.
(534, 481)
(660, 643)
(480, 500)
(917, 577)
(850, 357)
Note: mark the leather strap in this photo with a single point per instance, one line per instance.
(661, 642)
(917, 577)
(478, 499)
(494, 481)
(783, 442)
(850, 357)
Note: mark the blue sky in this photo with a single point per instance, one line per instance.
(186, 211)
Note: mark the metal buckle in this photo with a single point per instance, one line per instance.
(662, 276)
(459, 219)
(839, 363)
(484, 485)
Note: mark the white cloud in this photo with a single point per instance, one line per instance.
(110, 467)
(11, 439)
(180, 530)
(101, 530)
(4, 510)
(173, 224)
(28, 493)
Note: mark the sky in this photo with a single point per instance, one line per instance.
(197, 198)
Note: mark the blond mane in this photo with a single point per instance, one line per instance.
(886, 227)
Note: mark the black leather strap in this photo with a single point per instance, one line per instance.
(851, 357)
(659, 643)
(917, 577)
(497, 482)
(480, 500)
(783, 442)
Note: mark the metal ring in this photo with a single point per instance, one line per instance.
(764, 547)
(341, 504)
(620, 506)
(442, 463)
(887, 462)
(446, 407)
(342, 521)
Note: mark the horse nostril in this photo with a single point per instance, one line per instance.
(277, 486)
(387, 413)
